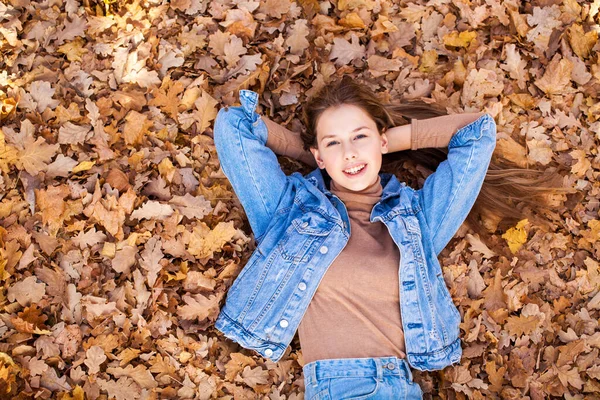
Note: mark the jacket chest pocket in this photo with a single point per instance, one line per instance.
(303, 236)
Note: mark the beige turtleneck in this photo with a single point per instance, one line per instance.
(355, 311)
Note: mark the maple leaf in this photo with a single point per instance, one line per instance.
(345, 52)
(557, 78)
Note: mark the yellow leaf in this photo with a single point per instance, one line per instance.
(352, 21)
(83, 166)
(8, 154)
(581, 42)
(166, 169)
(7, 107)
(428, 60)
(73, 50)
(109, 250)
(516, 236)
(462, 39)
(179, 275)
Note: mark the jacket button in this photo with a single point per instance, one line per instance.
(283, 323)
(323, 250)
(304, 224)
(268, 352)
(302, 286)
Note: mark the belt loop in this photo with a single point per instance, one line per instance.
(406, 367)
(378, 365)
(312, 372)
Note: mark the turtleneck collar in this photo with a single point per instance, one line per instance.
(362, 200)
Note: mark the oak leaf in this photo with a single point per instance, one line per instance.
(152, 210)
(36, 155)
(344, 52)
(26, 292)
(150, 260)
(199, 307)
(139, 374)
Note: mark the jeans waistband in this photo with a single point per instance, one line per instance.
(375, 367)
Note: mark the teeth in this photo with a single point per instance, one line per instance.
(355, 169)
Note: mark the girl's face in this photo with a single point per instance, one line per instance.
(349, 146)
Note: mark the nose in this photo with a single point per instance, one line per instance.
(349, 152)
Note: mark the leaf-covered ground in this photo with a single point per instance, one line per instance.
(120, 235)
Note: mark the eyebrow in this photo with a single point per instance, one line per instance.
(355, 130)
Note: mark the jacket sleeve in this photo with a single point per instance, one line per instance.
(449, 193)
(240, 137)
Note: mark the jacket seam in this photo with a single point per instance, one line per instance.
(247, 165)
(454, 194)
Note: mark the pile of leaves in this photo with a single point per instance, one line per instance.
(121, 235)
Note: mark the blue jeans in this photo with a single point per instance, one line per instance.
(384, 378)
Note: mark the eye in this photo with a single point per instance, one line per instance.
(330, 143)
(360, 136)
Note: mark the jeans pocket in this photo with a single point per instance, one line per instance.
(357, 388)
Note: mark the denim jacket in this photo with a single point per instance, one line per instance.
(300, 228)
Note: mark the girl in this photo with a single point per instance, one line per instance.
(347, 255)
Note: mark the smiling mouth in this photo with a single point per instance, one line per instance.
(356, 170)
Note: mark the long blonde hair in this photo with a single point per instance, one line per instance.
(508, 193)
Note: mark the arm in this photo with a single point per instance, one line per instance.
(252, 168)
(449, 193)
(287, 143)
(431, 132)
